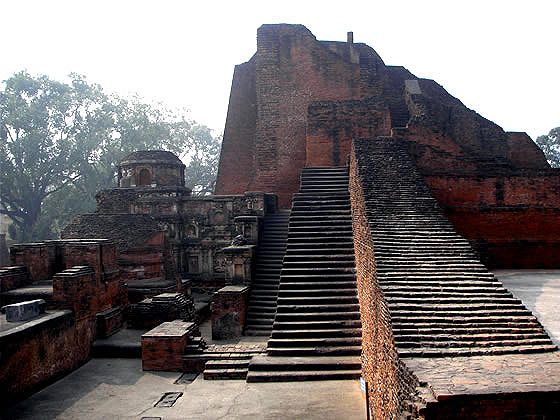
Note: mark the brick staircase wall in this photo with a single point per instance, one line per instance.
(423, 292)
(381, 367)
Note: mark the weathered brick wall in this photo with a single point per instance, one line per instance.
(293, 70)
(237, 166)
(39, 259)
(507, 406)
(524, 153)
(513, 221)
(13, 277)
(331, 126)
(390, 382)
(79, 289)
(40, 352)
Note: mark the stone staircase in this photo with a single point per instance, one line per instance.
(316, 332)
(443, 301)
(229, 361)
(264, 289)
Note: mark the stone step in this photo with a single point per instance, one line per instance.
(318, 285)
(314, 243)
(465, 299)
(315, 351)
(496, 320)
(259, 318)
(261, 308)
(320, 261)
(316, 300)
(435, 330)
(406, 340)
(285, 293)
(316, 324)
(258, 331)
(466, 311)
(301, 308)
(327, 237)
(228, 363)
(225, 373)
(475, 351)
(304, 375)
(302, 207)
(316, 316)
(316, 342)
(333, 332)
(300, 253)
(315, 270)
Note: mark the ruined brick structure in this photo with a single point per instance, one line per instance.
(398, 195)
(159, 227)
(85, 297)
(298, 102)
(391, 249)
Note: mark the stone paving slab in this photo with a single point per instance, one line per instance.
(482, 375)
(540, 292)
(119, 389)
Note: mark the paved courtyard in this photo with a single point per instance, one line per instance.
(540, 292)
(119, 389)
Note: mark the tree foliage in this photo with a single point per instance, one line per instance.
(550, 145)
(61, 142)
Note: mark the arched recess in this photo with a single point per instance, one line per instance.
(144, 177)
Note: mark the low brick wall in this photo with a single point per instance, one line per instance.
(13, 277)
(163, 347)
(38, 352)
(389, 381)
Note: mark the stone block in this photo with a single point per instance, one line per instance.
(24, 311)
(163, 347)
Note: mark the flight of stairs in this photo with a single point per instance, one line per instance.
(264, 289)
(442, 300)
(316, 332)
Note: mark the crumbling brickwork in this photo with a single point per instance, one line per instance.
(300, 101)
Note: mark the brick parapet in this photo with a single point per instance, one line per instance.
(39, 259)
(13, 278)
(390, 383)
(40, 351)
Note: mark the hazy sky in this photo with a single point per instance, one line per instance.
(501, 58)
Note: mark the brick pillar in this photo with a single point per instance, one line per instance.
(229, 312)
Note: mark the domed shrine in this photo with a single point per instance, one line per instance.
(151, 168)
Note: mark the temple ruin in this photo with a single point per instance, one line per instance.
(357, 212)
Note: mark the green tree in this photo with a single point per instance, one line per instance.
(550, 145)
(60, 144)
(202, 156)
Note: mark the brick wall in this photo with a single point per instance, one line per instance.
(512, 221)
(390, 382)
(506, 406)
(13, 277)
(79, 289)
(40, 259)
(237, 167)
(331, 126)
(40, 352)
(524, 153)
